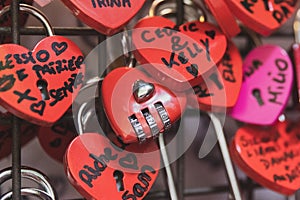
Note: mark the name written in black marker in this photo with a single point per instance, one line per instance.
(42, 65)
(279, 14)
(111, 3)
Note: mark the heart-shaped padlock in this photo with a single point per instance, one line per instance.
(267, 83)
(137, 107)
(6, 20)
(270, 156)
(39, 85)
(221, 87)
(224, 17)
(263, 17)
(177, 55)
(100, 170)
(27, 133)
(107, 17)
(55, 139)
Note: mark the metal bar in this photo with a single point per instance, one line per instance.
(180, 165)
(198, 191)
(226, 157)
(292, 197)
(180, 161)
(16, 145)
(164, 155)
(15, 21)
(16, 160)
(57, 30)
(180, 177)
(180, 12)
(36, 30)
(249, 191)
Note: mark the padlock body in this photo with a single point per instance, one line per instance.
(127, 116)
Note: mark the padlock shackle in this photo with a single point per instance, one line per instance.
(28, 192)
(30, 174)
(256, 39)
(35, 12)
(81, 112)
(169, 11)
(296, 27)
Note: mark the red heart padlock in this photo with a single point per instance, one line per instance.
(56, 139)
(27, 133)
(107, 17)
(100, 170)
(38, 85)
(221, 87)
(177, 55)
(265, 16)
(224, 17)
(137, 107)
(270, 156)
(6, 20)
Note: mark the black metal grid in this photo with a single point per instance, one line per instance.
(247, 186)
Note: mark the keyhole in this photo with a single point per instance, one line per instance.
(118, 176)
(257, 94)
(42, 85)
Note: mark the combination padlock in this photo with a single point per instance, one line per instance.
(39, 85)
(107, 17)
(269, 155)
(137, 107)
(177, 56)
(97, 161)
(267, 82)
(264, 17)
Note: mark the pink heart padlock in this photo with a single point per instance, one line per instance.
(267, 83)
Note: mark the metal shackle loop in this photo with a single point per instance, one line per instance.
(253, 36)
(30, 174)
(29, 192)
(172, 10)
(296, 27)
(36, 13)
(83, 112)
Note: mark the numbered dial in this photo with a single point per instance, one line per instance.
(137, 107)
